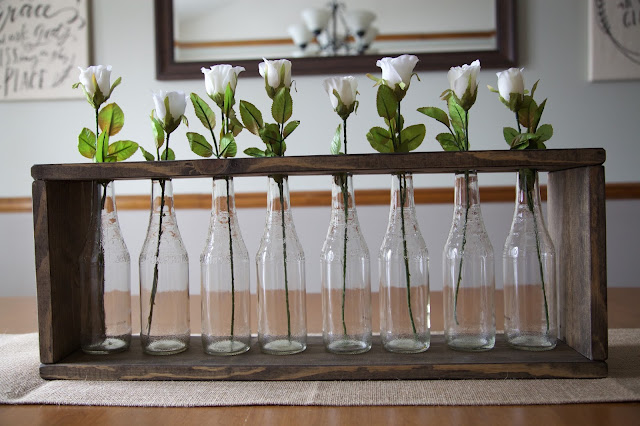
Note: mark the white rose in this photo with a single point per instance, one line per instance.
(397, 70)
(270, 70)
(103, 78)
(347, 87)
(218, 77)
(510, 81)
(464, 78)
(177, 105)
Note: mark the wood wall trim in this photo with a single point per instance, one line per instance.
(285, 41)
(364, 197)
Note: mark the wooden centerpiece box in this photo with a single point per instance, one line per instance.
(576, 217)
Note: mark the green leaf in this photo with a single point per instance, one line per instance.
(254, 152)
(111, 119)
(115, 84)
(199, 144)
(168, 154)
(509, 134)
(337, 141)
(204, 113)
(538, 115)
(290, 127)
(527, 112)
(102, 146)
(158, 131)
(533, 89)
(251, 117)
(228, 147)
(270, 134)
(386, 102)
(436, 114)
(87, 143)
(147, 155)
(229, 101)
(412, 137)
(447, 142)
(457, 115)
(282, 107)
(380, 139)
(521, 141)
(235, 126)
(544, 133)
(121, 150)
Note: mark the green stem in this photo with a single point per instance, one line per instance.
(535, 229)
(98, 146)
(233, 288)
(464, 242)
(345, 201)
(284, 250)
(402, 180)
(154, 286)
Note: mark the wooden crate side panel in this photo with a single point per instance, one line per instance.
(67, 216)
(578, 228)
(43, 270)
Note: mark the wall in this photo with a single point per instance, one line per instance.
(553, 48)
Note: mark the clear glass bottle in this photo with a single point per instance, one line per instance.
(345, 276)
(224, 266)
(469, 277)
(282, 322)
(105, 279)
(164, 278)
(404, 275)
(529, 265)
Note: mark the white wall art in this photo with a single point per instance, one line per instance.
(614, 40)
(41, 44)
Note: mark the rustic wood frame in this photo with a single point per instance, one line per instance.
(576, 203)
(504, 56)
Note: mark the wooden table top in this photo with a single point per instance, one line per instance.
(18, 315)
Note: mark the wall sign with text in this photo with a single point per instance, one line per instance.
(42, 42)
(614, 39)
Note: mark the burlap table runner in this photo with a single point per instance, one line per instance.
(20, 383)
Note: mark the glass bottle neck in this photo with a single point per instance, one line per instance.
(162, 196)
(278, 193)
(342, 192)
(466, 191)
(104, 198)
(402, 191)
(528, 189)
(223, 195)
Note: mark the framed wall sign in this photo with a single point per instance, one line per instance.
(614, 40)
(41, 44)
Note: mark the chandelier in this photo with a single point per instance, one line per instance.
(335, 30)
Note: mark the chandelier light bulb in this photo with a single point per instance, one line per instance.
(316, 19)
(300, 34)
(358, 21)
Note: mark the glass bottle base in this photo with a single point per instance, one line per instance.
(165, 347)
(406, 346)
(348, 346)
(283, 347)
(471, 343)
(528, 342)
(226, 347)
(109, 345)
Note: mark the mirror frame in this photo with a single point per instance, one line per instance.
(504, 56)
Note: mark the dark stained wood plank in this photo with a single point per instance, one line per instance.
(577, 223)
(43, 270)
(439, 362)
(416, 162)
(60, 226)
